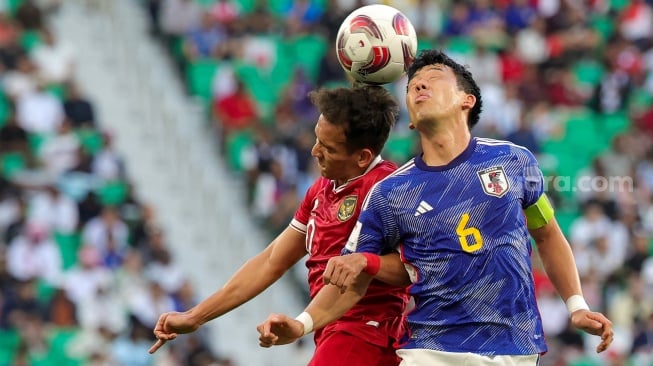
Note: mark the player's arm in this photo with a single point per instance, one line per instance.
(342, 271)
(560, 266)
(328, 305)
(251, 279)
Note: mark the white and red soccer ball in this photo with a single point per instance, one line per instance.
(376, 44)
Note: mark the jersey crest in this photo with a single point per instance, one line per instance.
(347, 208)
(494, 181)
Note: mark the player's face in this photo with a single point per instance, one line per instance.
(331, 152)
(433, 95)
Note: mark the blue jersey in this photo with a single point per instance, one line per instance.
(462, 232)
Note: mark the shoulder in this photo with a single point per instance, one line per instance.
(395, 177)
(502, 147)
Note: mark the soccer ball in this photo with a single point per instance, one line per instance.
(376, 44)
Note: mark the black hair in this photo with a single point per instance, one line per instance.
(367, 114)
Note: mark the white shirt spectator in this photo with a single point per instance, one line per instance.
(34, 255)
(60, 153)
(148, 305)
(55, 60)
(39, 112)
(107, 164)
(97, 230)
(59, 212)
(85, 279)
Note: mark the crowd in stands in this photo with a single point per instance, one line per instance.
(571, 80)
(85, 268)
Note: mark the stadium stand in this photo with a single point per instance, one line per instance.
(571, 80)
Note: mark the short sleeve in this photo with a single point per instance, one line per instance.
(533, 181)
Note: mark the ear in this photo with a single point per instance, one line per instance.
(365, 158)
(468, 101)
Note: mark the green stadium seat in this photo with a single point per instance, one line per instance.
(400, 147)
(614, 124)
(565, 218)
(588, 72)
(68, 244)
(35, 141)
(44, 292)
(13, 5)
(9, 342)
(12, 163)
(460, 45)
(59, 338)
(113, 193)
(4, 109)
(247, 6)
(29, 39)
(236, 143)
(90, 139)
(308, 50)
(603, 25)
(199, 77)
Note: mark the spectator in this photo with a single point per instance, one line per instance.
(54, 59)
(34, 256)
(77, 108)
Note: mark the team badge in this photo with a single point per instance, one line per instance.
(347, 208)
(494, 181)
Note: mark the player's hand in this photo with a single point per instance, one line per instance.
(596, 324)
(170, 325)
(343, 270)
(279, 329)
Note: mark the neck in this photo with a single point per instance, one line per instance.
(444, 142)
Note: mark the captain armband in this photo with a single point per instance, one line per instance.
(539, 213)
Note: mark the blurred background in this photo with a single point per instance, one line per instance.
(149, 147)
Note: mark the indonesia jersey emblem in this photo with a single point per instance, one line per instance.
(494, 181)
(347, 208)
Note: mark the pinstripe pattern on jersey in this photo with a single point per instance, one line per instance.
(479, 301)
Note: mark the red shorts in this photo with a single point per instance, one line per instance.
(343, 349)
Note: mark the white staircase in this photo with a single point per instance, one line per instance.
(174, 165)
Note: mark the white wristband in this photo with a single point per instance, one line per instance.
(306, 319)
(576, 302)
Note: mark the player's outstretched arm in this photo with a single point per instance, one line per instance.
(328, 305)
(343, 270)
(251, 279)
(560, 266)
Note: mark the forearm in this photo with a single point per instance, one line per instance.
(330, 304)
(248, 282)
(558, 261)
(393, 271)
(253, 277)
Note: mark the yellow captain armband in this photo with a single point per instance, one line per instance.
(539, 214)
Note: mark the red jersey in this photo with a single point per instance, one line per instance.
(327, 215)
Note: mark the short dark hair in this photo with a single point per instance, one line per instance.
(367, 114)
(465, 79)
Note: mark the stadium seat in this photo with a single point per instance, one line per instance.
(12, 163)
(199, 76)
(68, 245)
(9, 341)
(29, 39)
(4, 109)
(113, 193)
(307, 52)
(90, 139)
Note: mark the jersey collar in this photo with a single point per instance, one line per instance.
(419, 162)
(374, 163)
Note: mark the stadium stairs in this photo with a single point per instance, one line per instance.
(174, 165)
